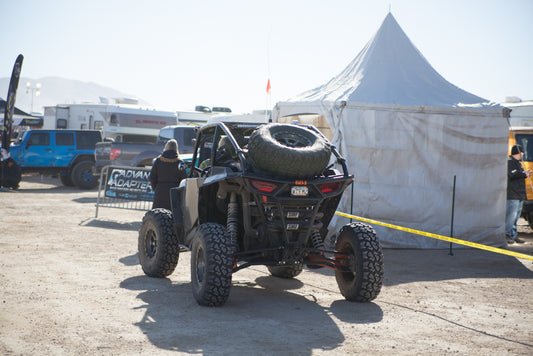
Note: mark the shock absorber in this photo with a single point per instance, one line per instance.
(316, 240)
(233, 219)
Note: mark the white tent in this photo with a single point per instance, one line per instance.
(406, 133)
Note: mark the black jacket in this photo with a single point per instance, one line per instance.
(516, 184)
(166, 173)
(10, 173)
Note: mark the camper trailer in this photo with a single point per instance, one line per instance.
(122, 121)
(521, 111)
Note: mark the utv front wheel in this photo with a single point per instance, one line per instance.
(211, 265)
(285, 271)
(365, 263)
(158, 245)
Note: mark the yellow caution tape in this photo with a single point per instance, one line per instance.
(439, 237)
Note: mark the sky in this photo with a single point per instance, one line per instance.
(177, 54)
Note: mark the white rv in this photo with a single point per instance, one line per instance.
(122, 121)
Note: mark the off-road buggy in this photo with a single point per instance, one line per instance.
(260, 194)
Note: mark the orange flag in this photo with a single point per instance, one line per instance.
(268, 86)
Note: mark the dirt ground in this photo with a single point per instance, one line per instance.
(71, 284)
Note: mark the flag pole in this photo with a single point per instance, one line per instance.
(268, 87)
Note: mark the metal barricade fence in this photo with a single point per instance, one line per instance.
(124, 188)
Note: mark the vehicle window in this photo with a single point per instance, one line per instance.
(526, 141)
(166, 134)
(64, 138)
(61, 123)
(139, 139)
(39, 139)
(113, 120)
(188, 136)
(87, 139)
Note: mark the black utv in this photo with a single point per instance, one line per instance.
(260, 194)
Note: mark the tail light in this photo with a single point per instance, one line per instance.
(266, 187)
(114, 153)
(329, 187)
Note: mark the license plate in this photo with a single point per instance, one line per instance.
(299, 191)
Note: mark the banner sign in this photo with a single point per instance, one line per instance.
(129, 183)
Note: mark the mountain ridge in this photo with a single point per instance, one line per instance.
(57, 90)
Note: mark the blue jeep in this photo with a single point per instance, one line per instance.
(67, 153)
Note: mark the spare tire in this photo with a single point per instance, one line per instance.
(288, 151)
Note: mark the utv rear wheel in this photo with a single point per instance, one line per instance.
(285, 271)
(211, 265)
(83, 176)
(158, 245)
(364, 280)
(288, 151)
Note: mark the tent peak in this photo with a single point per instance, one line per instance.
(391, 70)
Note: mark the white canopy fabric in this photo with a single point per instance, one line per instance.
(406, 133)
(391, 70)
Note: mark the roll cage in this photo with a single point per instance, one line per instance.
(236, 134)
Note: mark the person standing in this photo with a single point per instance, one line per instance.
(167, 172)
(516, 192)
(11, 174)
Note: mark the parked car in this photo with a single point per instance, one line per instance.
(66, 153)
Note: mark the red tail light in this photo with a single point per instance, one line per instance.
(114, 153)
(263, 186)
(329, 187)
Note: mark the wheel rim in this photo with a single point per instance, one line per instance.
(151, 244)
(292, 140)
(200, 265)
(87, 176)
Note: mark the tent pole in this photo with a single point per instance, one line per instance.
(351, 204)
(453, 208)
